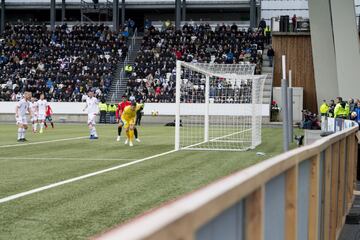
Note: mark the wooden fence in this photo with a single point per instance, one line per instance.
(301, 194)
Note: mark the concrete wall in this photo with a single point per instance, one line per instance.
(335, 44)
(324, 57)
(346, 42)
(72, 112)
(298, 96)
(82, 118)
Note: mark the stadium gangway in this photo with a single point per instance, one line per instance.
(304, 193)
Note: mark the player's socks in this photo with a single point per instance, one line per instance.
(131, 135)
(135, 133)
(19, 133)
(45, 124)
(52, 124)
(119, 131)
(95, 133)
(35, 127)
(23, 134)
(128, 137)
(41, 127)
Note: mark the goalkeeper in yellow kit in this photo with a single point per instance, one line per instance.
(128, 117)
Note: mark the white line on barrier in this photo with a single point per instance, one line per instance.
(19, 195)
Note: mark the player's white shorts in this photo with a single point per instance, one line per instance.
(41, 117)
(91, 118)
(21, 120)
(34, 118)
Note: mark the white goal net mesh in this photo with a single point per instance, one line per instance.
(219, 106)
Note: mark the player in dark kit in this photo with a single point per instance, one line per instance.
(48, 117)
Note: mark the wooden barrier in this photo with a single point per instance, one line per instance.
(301, 194)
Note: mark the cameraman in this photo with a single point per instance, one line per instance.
(331, 108)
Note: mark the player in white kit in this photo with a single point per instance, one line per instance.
(42, 104)
(22, 107)
(34, 111)
(92, 110)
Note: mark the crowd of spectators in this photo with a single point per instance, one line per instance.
(220, 90)
(153, 75)
(341, 109)
(338, 109)
(63, 64)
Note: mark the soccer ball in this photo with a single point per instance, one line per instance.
(353, 115)
(154, 113)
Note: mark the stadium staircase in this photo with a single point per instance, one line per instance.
(267, 69)
(118, 86)
(119, 83)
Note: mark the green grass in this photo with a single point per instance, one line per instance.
(87, 207)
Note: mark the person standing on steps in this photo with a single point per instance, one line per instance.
(271, 54)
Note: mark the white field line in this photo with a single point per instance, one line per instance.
(42, 142)
(214, 139)
(53, 185)
(69, 139)
(65, 159)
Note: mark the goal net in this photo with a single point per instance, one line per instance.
(218, 106)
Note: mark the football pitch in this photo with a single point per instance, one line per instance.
(61, 185)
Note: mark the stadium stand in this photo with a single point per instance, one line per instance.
(153, 75)
(64, 64)
(67, 63)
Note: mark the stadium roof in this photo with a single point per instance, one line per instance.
(21, 4)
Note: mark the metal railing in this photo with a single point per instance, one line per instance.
(115, 95)
(301, 194)
(91, 7)
(271, 90)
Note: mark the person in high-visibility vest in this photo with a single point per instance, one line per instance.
(267, 32)
(111, 110)
(103, 110)
(342, 109)
(324, 108)
(341, 112)
(128, 69)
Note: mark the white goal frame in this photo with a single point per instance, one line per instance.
(233, 71)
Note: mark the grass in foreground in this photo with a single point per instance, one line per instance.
(82, 209)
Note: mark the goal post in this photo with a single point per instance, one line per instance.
(218, 106)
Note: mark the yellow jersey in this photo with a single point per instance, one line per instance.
(129, 113)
